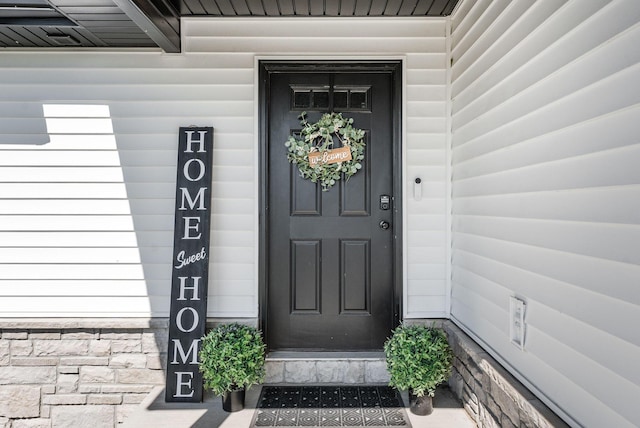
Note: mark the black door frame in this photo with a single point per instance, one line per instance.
(268, 67)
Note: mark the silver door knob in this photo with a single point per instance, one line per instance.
(384, 225)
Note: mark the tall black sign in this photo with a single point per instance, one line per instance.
(190, 264)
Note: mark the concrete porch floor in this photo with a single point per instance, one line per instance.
(154, 412)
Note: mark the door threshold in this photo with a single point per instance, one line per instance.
(325, 355)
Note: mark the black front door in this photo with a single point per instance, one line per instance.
(330, 255)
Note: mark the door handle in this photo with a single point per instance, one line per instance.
(384, 225)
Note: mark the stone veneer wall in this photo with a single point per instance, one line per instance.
(93, 373)
(491, 395)
(77, 373)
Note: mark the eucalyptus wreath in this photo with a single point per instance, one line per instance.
(319, 137)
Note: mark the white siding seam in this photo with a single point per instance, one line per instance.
(556, 250)
(596, 112)
(470, 20)
(504, 57)
(457, 265)
(545, 192)
(449, 181)
(478, 40)
(633, 147)
(533, 87)
(532, 140)
(566, 37)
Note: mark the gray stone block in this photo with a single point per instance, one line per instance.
(356, 372)
(100, 348)
(97, 374)
(134, 398)
(156, 362)
(115, 388)
(27, 375)
(300, 372)
(83, 416)
(274, 372)
(123, 411)
(64, 399)
(4, 352)
(141, 376)
(84, 361)
(48, 389)
(126, 346)
(17, 401)
(376, 372)
(79, 334)
(14, 335)
(155, 342)
(31, 423)
(110, 399)
(507, 404)
(329, 371)
(136, 361)
(60, 347)
(21, 348)
(120, 335)
(67, 383)
(34, 361)
(89, 388)
(44, 335)
(456, 383)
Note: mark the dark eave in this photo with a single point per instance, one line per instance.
(151, 23)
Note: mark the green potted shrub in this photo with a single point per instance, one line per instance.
(231, 360)
(419, 359)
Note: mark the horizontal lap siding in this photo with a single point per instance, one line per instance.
(86, 219)
(546, 195)
(422, 42)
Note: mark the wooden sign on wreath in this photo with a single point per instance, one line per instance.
(314, 154)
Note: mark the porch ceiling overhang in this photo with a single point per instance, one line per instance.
(156, 23)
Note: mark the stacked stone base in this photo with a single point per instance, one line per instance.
(327, 369)
(94, 373)
(491, 395)
(58, 373)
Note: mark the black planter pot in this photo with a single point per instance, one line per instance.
(421, 406)
(233, 401)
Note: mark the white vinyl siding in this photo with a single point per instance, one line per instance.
(86, 216)
(546, 195)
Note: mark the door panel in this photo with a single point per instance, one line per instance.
(330, 266)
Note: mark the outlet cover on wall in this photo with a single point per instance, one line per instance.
(516, 321)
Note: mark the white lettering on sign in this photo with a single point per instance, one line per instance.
(186, 197)
(180, 383)
(184, 260)
(191, 141)
(201, 168)
(184, 287)
(190, 270)
(342, 154)
(184, 356)
(194, 322)
(191, 224)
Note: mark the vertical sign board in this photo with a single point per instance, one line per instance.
(188, 313)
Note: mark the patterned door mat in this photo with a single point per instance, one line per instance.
(334, 406)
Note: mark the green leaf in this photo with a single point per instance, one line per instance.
(231, 355)
(418, 358)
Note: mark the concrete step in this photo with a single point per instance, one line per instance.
(326, 368)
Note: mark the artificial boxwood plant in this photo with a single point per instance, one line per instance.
(232, 356)
(419, 358)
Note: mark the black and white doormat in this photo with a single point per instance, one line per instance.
(330, 406)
